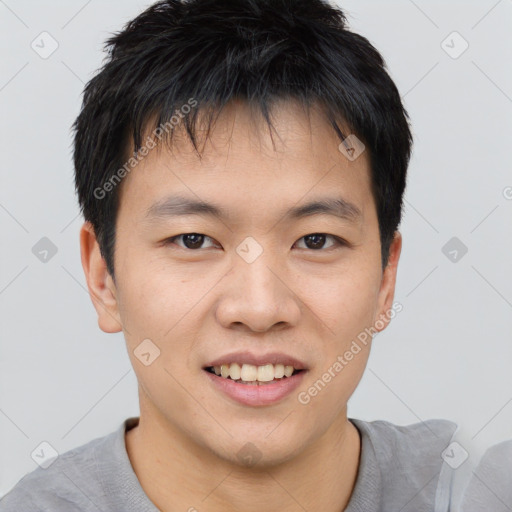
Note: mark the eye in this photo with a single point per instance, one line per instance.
(313, 241)
(191, 241)
(316, 241)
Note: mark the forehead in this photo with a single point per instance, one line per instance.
(242, 163)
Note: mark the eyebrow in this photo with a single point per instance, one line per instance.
(175, 206)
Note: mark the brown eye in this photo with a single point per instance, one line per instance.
(192, 241)
(316, 241)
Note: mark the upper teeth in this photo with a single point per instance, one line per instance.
(250, 372)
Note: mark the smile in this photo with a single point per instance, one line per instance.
(253, 392)
(252, 374)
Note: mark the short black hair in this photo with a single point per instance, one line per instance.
(207, 53)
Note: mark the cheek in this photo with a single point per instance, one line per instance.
(346, 308)
(326, 393)
(161, 305)
(345, 302)
(154, 299)
(159, 334)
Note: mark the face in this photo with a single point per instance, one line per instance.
(255, 287)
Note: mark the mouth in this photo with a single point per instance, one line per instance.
(252, 375)
(252, 379)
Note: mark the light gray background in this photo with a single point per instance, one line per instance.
(446, 355)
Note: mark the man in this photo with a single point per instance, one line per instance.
(240, 166)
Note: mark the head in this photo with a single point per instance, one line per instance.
(245, 108)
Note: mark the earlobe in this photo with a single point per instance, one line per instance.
(101, 287)
(387, 288)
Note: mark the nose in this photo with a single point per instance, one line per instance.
(257, 297)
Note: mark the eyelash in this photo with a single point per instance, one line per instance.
(338, 241)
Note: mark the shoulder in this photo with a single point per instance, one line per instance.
(66, 484)
(425, 439)
(410, 462)
(490, 486)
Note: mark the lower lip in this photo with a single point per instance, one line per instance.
(264, 394)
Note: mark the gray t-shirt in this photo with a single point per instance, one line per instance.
(401, 469)
(490, 487)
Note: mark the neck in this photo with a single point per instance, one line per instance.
(177, 474)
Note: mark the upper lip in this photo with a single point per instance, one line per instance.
(258, 359)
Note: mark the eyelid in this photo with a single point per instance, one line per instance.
(171, 240)
(339, 242)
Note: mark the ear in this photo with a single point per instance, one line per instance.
(387, 287)
(99, 282)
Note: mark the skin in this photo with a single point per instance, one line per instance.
(198, 304)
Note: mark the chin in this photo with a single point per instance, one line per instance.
(259, 451)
